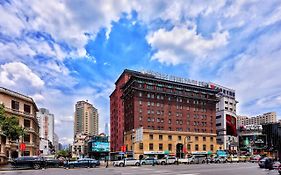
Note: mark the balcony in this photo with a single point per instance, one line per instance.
(16, 112)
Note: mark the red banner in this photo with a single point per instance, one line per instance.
(22, 146)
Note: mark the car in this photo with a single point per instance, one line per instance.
(52, 162)
(127, 162)
(149, 161)
(35, 162)
(255, 158)
(84, 162)
(279, 170)
(276, 165)
(219, 159)
(243, 158)
(232, 158)
(266, 163)
(198, 159)
(168, 160)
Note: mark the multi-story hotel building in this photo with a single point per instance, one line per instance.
(86, 119)
(166, 115)
(117, 113)
(269, 117)
(226, 121)
(25, 109)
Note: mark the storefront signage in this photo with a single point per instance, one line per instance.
(199, 152)
(253, 127)
(153, 152)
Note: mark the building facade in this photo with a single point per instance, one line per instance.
(25, 109)
(86, 119)
(80, 145)
(182, 113)
(269, 117)
(46, 131)
(273, 139)
(226, 118)
(252, 140)
(98, 146)
(117, 113)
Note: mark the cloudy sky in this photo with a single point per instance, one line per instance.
(59, 52)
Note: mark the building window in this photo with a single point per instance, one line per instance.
(188, 147)
(169, 137)
(160, 146)
(212, 147)
(151, 136)
(218, 124)
(26, 108)
(170, 147)
(196, 138)
(211, 139)
(151, 147)
(204, 138)
(196, 147)
(26, 123)
(27, 138)
(160, 137)
(15, 105)
(179, 137)
(140, 94)
(204, 147)
(141, 146)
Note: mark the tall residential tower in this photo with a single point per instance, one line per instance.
(86, 119)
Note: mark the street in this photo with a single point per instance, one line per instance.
(200, 169)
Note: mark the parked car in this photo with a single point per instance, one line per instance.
(279, 170)
(198, 159)
(232, 158)
(244, 158)
(29, 161)
(149, 161)
(168, 160)
(266, 163)
(84, 162)
(127, 162)
(255, 158)
(276, 165)
(219, 159)
(52, 162)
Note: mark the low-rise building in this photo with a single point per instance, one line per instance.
(80, 145)
(23, 107)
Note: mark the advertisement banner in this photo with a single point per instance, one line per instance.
(100, 147)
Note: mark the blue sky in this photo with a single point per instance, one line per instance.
(59, 52)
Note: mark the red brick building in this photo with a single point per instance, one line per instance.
(162, 107)
(117, 114)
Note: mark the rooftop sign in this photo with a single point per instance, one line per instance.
(175, 78)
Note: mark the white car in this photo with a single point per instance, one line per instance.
(127, 162)
(168, 160)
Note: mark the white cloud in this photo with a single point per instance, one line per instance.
(15, 73)
(182, 44)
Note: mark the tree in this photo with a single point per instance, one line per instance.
(10, 125)
(63, 153)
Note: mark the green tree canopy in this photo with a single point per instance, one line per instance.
(10, 125)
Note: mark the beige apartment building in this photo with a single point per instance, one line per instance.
(265, 118)
(25, 109)
(86, 119)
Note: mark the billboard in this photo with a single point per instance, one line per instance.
(252, 141)
(100, 146)
(231, 125)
